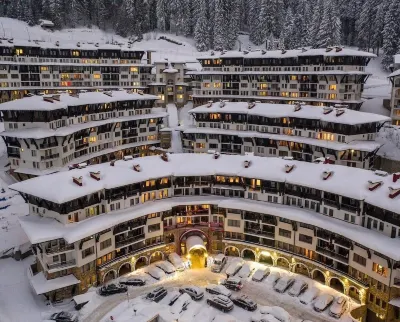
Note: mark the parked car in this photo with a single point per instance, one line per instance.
(338, 307)
(245, 302)
(283, 284)
(298, 287)
(157, 294)
(221, 302)
(82, 299)
(181, 304)
(260, 274)
(193, 291)
(133, 281)
(322, 302)
(234, 267)
(263, 318)
(155, 272)
(111, 289)
(277, 312)
(173, 296)
(64, 317)
(273, 277)
(308, 296)
(218, 263)
(233, 283)
(176, 260)
(166, 266)
(245, 271)
(218, 290)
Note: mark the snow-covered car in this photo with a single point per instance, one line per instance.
(234, 267)
(194, 292)
(310, 295)
(155, 272)
(277, 312)
(111, 289)
(244, 302)
(273, 277)
(157, 294)
(218, 290)
(218, 263)
(176, 260)
(260, 274)
(233, 283)
(283, 284)
(173, 296)
(166, 266)
(263, 318)
(338, 307)
(181, 304)
(133, 281)
(221, 302)
(298, 287)
(245, 271)
(64, 317)
(224, 318)
(322, 302)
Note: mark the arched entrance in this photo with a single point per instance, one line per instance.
(302, 269)
(141, 262)
(265, 257)
(336, 284)
(318, 276)
(124, 269)
(196, 251)
(110, 275)
(282, 262)
(354, 293)
(248, 254)
(232, 251)
(156, 256)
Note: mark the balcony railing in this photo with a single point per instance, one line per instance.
(48, 145)
(58, 265)
(332, 254)
(48, 157)
(59, 249)
(123, 242)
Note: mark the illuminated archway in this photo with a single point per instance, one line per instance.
(196, 251)
(282, 262)
(318, 276)
(141, 262)
(110, 275)
(249, 254)
(266, 258)
(232, 251)
(156, 256)
(124, 269)
(337, 284)
(301, 268)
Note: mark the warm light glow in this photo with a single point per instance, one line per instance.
(265, 253)
(188, 256)
(327, 273)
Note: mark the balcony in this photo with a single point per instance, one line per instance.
(14, 155)
(332, 254)
(48, 145)
(349, 208)
(129, 226)
(59, 249)
(48, 157)
(329, 202)
(61, 265)
(130, 240)
(259, 232)
(81, 146)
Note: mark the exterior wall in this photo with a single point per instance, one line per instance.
(395, 100)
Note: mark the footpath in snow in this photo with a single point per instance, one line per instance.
(173, 123)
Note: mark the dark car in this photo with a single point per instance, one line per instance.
(245, 302)
(134, 281)
(233, 283)
(112, 289)
(221, 302)
(64, 317)
(157, 294)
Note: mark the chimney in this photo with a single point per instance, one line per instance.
(328, 161)
(247, 163)
(82, 165)
(128, 157)
(48, 99)
(289, 167)
(283, 51)
(140, 92)
(112, 163)
(164, 157)
(251, 105)
(221, 104)
(56, 97)
(57, 43)
(338, 49)
(76, 95)
(209, 104)
(327, 109)
(108, 93)
(393, 192)
(339, 111)
(372, 185)
(396, 176)
(78, 181)
(96, 44)
(78, 44)
(263, 52)
(216, 155)
(328, 49)
(297, 107)
(95, 175)
(327, 174)
(137, 168)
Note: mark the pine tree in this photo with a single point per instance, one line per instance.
(162, 15)
(329, 32)
(201, 29)
(219, 26)
(315, 25)
(254, 7)
(390, 34)
(233, 22)
(379, 24)
(365, 24)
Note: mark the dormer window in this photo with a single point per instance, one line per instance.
(19, 51)
(75, 53)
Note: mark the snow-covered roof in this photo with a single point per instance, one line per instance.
(395, 73)
(395, 302)
(170, 70)
(368, 146)
(40, 133)
(42, 285)
(46, 23)
(323, 72)
(346, 181)
(38, 103)
(288, 53)
(350, 117)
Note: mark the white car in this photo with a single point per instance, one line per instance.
(273, 277)
(310, 295)
(245, 271)
(176, 260)
(277, 312)
(194, 292)
(218, 290)
(155, 272)
(218, 263)
(338, 307)
(298, 287)
(181, 304)
(263, 318)
(322, 302)
(167, 267)
(234, 267)
(283, 284)
(260, 274)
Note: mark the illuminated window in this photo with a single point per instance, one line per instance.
(207, 85)
(215, 116)
(285, 94)
(161, 97)
(263, 86)
(96, 76)
(294, 94)
(380, 269)
(200, 145)
(134, 69)
(92, 139)
(19, 52)
(75, 53)
(293, 77)
(332, 96)
(263, 93)
(64, 76)
(332, 87)
(180, 88)
(180, 96)
(217, 85)
(326, 136)
(44, 68)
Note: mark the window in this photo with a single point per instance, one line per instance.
(346, 217)
(305, 239)
(233, 223)
(359, 259)
(380, 269)
(87, 252)
(332, 87)
(134, 69)
(33, 153)
(105, 244)
(285, 233)
(152, 228)
(19, 52)
(96, 76)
